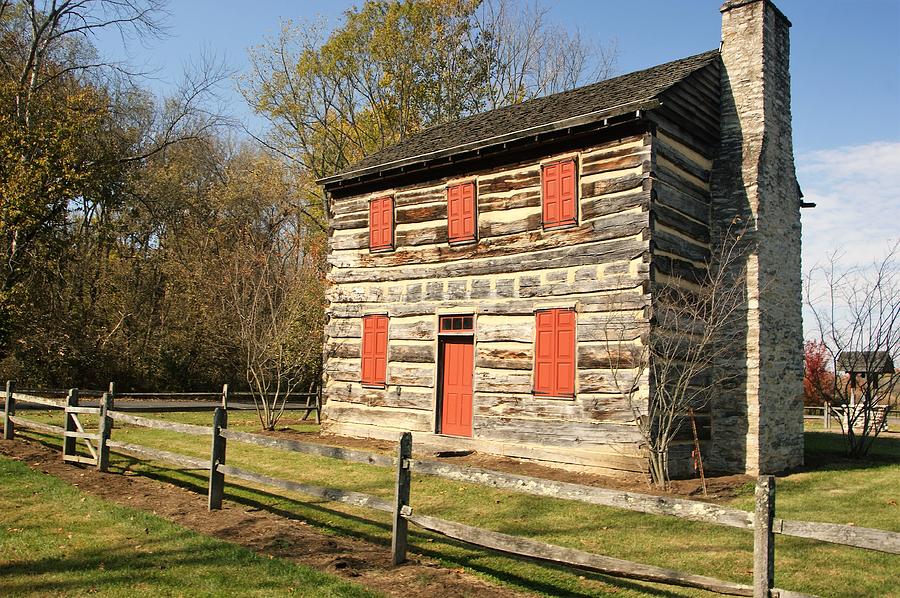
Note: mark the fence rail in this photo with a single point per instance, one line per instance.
(762, 522)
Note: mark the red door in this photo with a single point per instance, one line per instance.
(456, 387)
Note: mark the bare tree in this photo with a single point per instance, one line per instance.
(274, 289)
(856, 316)
(522, 54)
(673, 371)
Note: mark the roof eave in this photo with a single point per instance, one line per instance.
(422, 159)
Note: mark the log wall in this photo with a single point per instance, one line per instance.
(600, 267)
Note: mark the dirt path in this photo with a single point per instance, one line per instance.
(362, 562)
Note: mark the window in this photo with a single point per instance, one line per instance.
(559, 194)
(461, 212)
(458, 324)
(554, 353)
(381, 223)
(374, 350)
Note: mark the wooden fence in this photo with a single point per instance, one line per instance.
(762, 522)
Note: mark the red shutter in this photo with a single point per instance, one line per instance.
(461, 212)
(559, 193)
(374, 349)
(554, 353)
(381, 223)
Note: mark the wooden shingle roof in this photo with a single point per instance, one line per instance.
(596, 101)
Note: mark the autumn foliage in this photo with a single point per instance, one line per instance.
(818, 379)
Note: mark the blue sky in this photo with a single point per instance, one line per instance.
(845, 64)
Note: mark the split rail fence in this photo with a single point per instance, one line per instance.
(762, 522)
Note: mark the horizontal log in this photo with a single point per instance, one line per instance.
(410, 375)
(88, 410)
(514, 238)
(417, 214)
(614, 356)
(388, 417)
(420, 236)
(677, 221)
(394, 396)
(342, 350)
(37, 426)
(333, 494)
(310, 448)
(696, 208)
(503, 358)
(566, 256)
(621, 159)
(506, 182)
(571, 557)
(80, 459)
(670, 152)
(158, 424)
(671, 243)
(25, 398)
(511, 381)
(411, 353)
(421, 330)
(528, 198)
(846, 535)
(605, 205)
(551, 432)
(158, 454)
(584, 407)
(630, 501)
(600, 187)
(344, 328)
(519, 332)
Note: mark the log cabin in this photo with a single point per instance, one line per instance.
(474, 267)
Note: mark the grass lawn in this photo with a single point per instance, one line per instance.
(56, 540)
(832, 489)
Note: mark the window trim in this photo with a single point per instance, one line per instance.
(534, 391)
(552, 226)
(393, 240)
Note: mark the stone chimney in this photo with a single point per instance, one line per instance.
(754, 180)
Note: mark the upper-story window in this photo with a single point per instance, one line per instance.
(381, 223)
(554, 353)
(461, 212)
(559, 193)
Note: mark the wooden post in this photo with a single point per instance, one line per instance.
(827, 415)
(764, 538)
(112, 395)
(226, 395)
(319, 404)
(401, 525)
(69, 442)
(106, 424)
(217, 478)
(9, 409)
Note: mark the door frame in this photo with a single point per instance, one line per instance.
(442, 338)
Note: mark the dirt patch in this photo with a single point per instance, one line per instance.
(719, 488)
(362, 562)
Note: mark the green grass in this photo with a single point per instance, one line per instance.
(832, 490)
(56, 540)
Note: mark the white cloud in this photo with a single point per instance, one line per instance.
(857, 192)
(857, 215)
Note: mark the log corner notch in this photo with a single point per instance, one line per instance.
(399, 535)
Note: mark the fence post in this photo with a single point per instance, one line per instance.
(226, 395)
(112, 395)
(217, 478)
(401, 525)
(319, 404)
(105, 432)
(9, 408)
(764, 538)
(827, 415)
(69, 442)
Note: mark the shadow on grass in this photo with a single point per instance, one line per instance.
(826, 451)
(340, 523)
